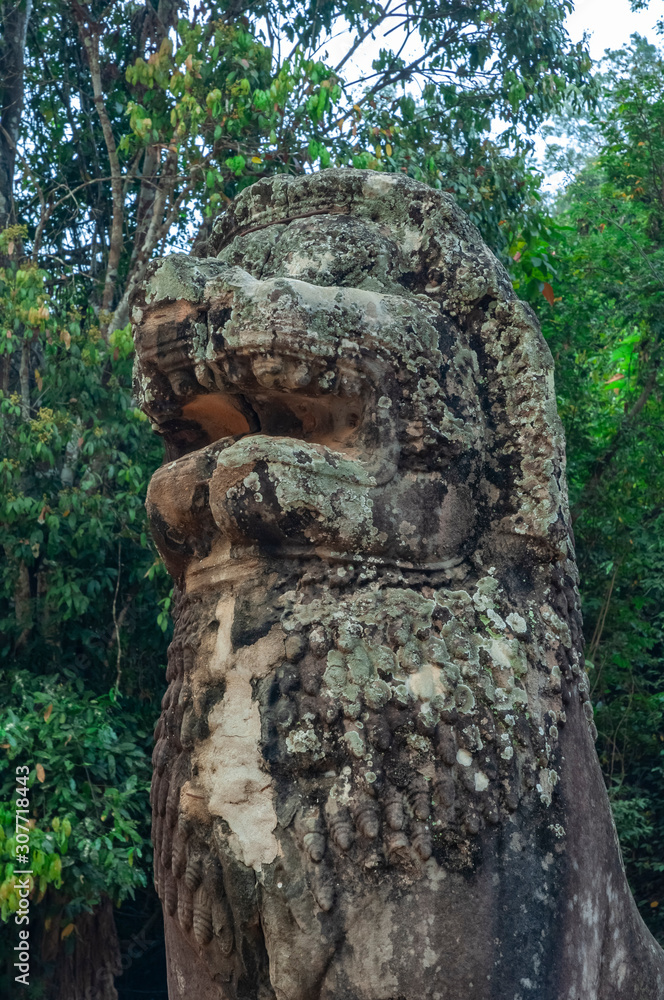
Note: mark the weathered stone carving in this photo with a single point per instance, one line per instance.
(374, 769)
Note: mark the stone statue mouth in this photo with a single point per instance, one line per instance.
(332, 433)
(299, 470)
(329, 420)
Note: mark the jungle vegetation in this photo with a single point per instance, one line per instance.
(124, 128)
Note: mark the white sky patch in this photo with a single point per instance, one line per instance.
(608, 24)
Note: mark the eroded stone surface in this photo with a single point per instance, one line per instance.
(374, 771)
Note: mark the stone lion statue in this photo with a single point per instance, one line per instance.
(374, 768)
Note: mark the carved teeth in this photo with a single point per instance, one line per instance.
(350, 385)
(266, 370)
(183, 383)
(235, 368)
(295, 375)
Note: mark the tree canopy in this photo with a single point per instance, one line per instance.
(603, 252)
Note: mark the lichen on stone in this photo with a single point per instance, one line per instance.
(377, 642)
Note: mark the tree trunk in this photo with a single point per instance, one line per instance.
(87, 960)
(90, 33)
(24, 378)
(15, 17)
(374, 771)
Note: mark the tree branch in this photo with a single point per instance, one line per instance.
(361, 38)
(90, 32)
(15, 17)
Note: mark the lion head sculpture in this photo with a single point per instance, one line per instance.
(377, 631)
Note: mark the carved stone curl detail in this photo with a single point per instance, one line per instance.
(374, 771)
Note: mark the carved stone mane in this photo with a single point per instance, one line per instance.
(374, 770)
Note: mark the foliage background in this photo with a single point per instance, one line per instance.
(140, 121)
